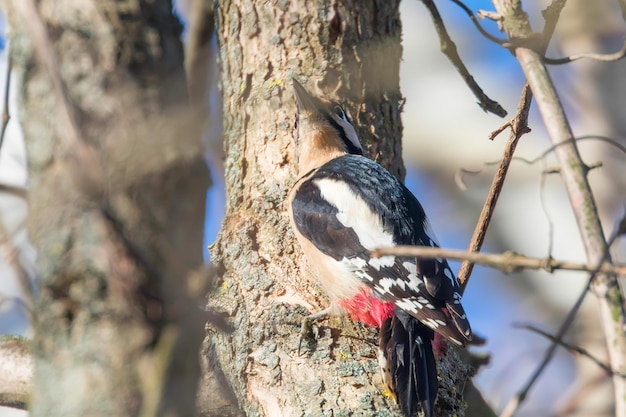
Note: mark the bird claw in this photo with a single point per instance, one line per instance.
(306, 328)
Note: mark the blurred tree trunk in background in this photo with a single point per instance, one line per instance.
(342, 50)
(596, 93)
(118, 234)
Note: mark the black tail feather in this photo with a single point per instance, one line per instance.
(409, 368)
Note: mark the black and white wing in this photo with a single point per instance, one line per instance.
(350, 206)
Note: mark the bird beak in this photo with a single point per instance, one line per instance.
(306, 102)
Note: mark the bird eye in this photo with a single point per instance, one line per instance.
(339, 112)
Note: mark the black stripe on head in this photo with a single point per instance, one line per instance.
(351, 148)
(340, 121)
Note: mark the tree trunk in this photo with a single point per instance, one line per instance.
(350, 50)
(116, 193)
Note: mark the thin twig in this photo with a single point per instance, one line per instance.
(448, 47)
(519, 126)
(482, 30)
(504, 126)
(572, 348)
(544, 208)
(551, 15)
(615, 56)
(6, 116)
(516, 401)
(464, 171)
(506, 262)
(575, 404)
(14, 190)
(548, 151)
(574, 175)
(600, 138)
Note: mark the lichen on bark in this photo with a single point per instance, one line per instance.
(347, 51)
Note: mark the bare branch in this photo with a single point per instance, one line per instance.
(499, 130)
(6, 116)
(458, 176)
(516, 401)
(448, 47)
(491, 15)
(600, 138)
(13, 190)
(572, 348)
(546, 212)
(574, 174)
(615, 56)
(519, 126)
(507, 262)
(551, 16)
(482, 31)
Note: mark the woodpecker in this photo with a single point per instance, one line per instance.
(345, 205)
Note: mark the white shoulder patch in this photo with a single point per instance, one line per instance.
(354, 213)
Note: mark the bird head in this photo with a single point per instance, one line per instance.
(324, 130)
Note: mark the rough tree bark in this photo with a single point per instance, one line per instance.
(350, 50)
(115, 250)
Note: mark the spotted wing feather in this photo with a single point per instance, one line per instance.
(350, 206)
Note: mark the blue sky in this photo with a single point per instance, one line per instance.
(490, 301)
